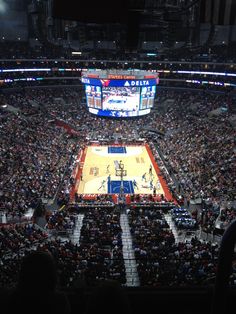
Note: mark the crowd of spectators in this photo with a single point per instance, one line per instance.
(102, 244)
(61, 220)
(98, 256)
(161, 261)
(15, 241)
(197, 149)
(35, 156)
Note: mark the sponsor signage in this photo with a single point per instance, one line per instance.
(121, 77)
(118, 82)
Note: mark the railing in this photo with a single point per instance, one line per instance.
(209, 236)
(60, 233)
(14, 219)
(172, 175)
(158, 205)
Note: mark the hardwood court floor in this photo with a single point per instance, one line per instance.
(99, 171)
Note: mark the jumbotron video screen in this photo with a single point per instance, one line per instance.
(120, 98)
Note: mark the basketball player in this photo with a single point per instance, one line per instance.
(135, 184)
(144, 177)
(158, 185)
(154, 191)
(151, 184)
(102, 185)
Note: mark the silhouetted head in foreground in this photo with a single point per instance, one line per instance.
(38, 272)
(36, 288)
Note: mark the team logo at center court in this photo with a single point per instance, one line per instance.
(105, 83)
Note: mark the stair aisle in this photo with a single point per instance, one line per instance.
(128, 253)
(76, 233)
(178, 237)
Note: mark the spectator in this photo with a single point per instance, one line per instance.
(36, 290)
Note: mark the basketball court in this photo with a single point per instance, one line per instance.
(99, 173)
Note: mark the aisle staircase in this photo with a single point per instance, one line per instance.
(178, 237)
(75, 237)
(128, 253)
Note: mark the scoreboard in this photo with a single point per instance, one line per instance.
(119, 95)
